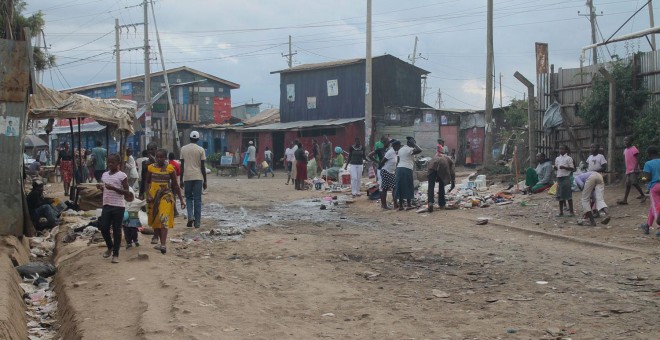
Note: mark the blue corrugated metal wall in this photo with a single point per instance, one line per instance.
(349, 103)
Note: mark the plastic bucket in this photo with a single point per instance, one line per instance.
(346, 179)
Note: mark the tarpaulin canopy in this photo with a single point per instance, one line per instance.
(47, 103)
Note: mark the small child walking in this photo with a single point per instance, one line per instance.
(131, 225)
(565, 167)
(114, 185)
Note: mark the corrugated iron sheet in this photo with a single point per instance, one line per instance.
(303, 124)
(13, 107)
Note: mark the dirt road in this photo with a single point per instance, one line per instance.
(354, 272)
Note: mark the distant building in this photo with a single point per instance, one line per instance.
(329, 99)
(198, 98)
(245, 111)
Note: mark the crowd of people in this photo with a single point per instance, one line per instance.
(159, 179)
(589, 181)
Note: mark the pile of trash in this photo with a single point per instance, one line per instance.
(468, 194)
(40, 300)
(42, 246)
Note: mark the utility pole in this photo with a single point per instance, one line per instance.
(488, 140)
(500, 90)
(367, 103)
(117, 60)
(289, 56)
(592, 19)
(147, 75)
(439, 99)
(652, 24)
(414, 55)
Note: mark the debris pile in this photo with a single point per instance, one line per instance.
(40, 300)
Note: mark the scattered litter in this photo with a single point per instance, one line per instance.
(440, 294)
(541, 282)
(328, 315)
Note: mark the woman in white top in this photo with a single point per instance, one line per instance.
(404, 186)
(387, 168)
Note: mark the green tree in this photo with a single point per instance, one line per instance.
(629, 99)
(35, 23)
(516, 114)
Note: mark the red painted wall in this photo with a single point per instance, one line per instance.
(221, 109)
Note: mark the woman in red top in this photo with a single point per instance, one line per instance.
(175, 164)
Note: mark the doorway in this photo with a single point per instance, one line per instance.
(278, 149)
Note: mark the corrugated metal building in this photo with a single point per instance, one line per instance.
(198, 98)
(335, 91)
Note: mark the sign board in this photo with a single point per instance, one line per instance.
(226, 160)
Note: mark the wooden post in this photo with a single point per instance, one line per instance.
(71, 197)
(611, 136)
(531, 121)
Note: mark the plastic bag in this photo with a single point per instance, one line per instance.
(553, 189)
(372, 173)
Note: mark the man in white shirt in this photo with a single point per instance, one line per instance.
(288, 160)
(193, 177)
(596, 161)
(564, 167)
(252, 160)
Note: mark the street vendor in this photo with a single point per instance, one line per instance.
(441, 169)
(539, 179)
(591, 183)
(41, 207)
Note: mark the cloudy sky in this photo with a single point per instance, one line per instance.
(243, 41)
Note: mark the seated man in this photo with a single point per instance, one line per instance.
(539, 179)
(41, 207)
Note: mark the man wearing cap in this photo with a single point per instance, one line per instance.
(252, 160)
(193, 177)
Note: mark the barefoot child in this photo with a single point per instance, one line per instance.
(632, 170)
(162, 183)
(114, 185)
(564, 166)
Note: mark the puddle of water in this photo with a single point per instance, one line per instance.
(232, 223)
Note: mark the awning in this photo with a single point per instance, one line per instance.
(87, 127)
(46, 103)
(303, 124)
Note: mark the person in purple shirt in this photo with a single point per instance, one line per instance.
(593, 187)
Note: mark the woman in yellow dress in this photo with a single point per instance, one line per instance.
(162, 184)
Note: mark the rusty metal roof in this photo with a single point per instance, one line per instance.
(303, 124)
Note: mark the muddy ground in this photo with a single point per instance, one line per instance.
(356, 272)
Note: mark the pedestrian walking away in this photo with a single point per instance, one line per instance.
(193, 177)
(252, 160)
(289, 157)
(268, 158)
(99, 154)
